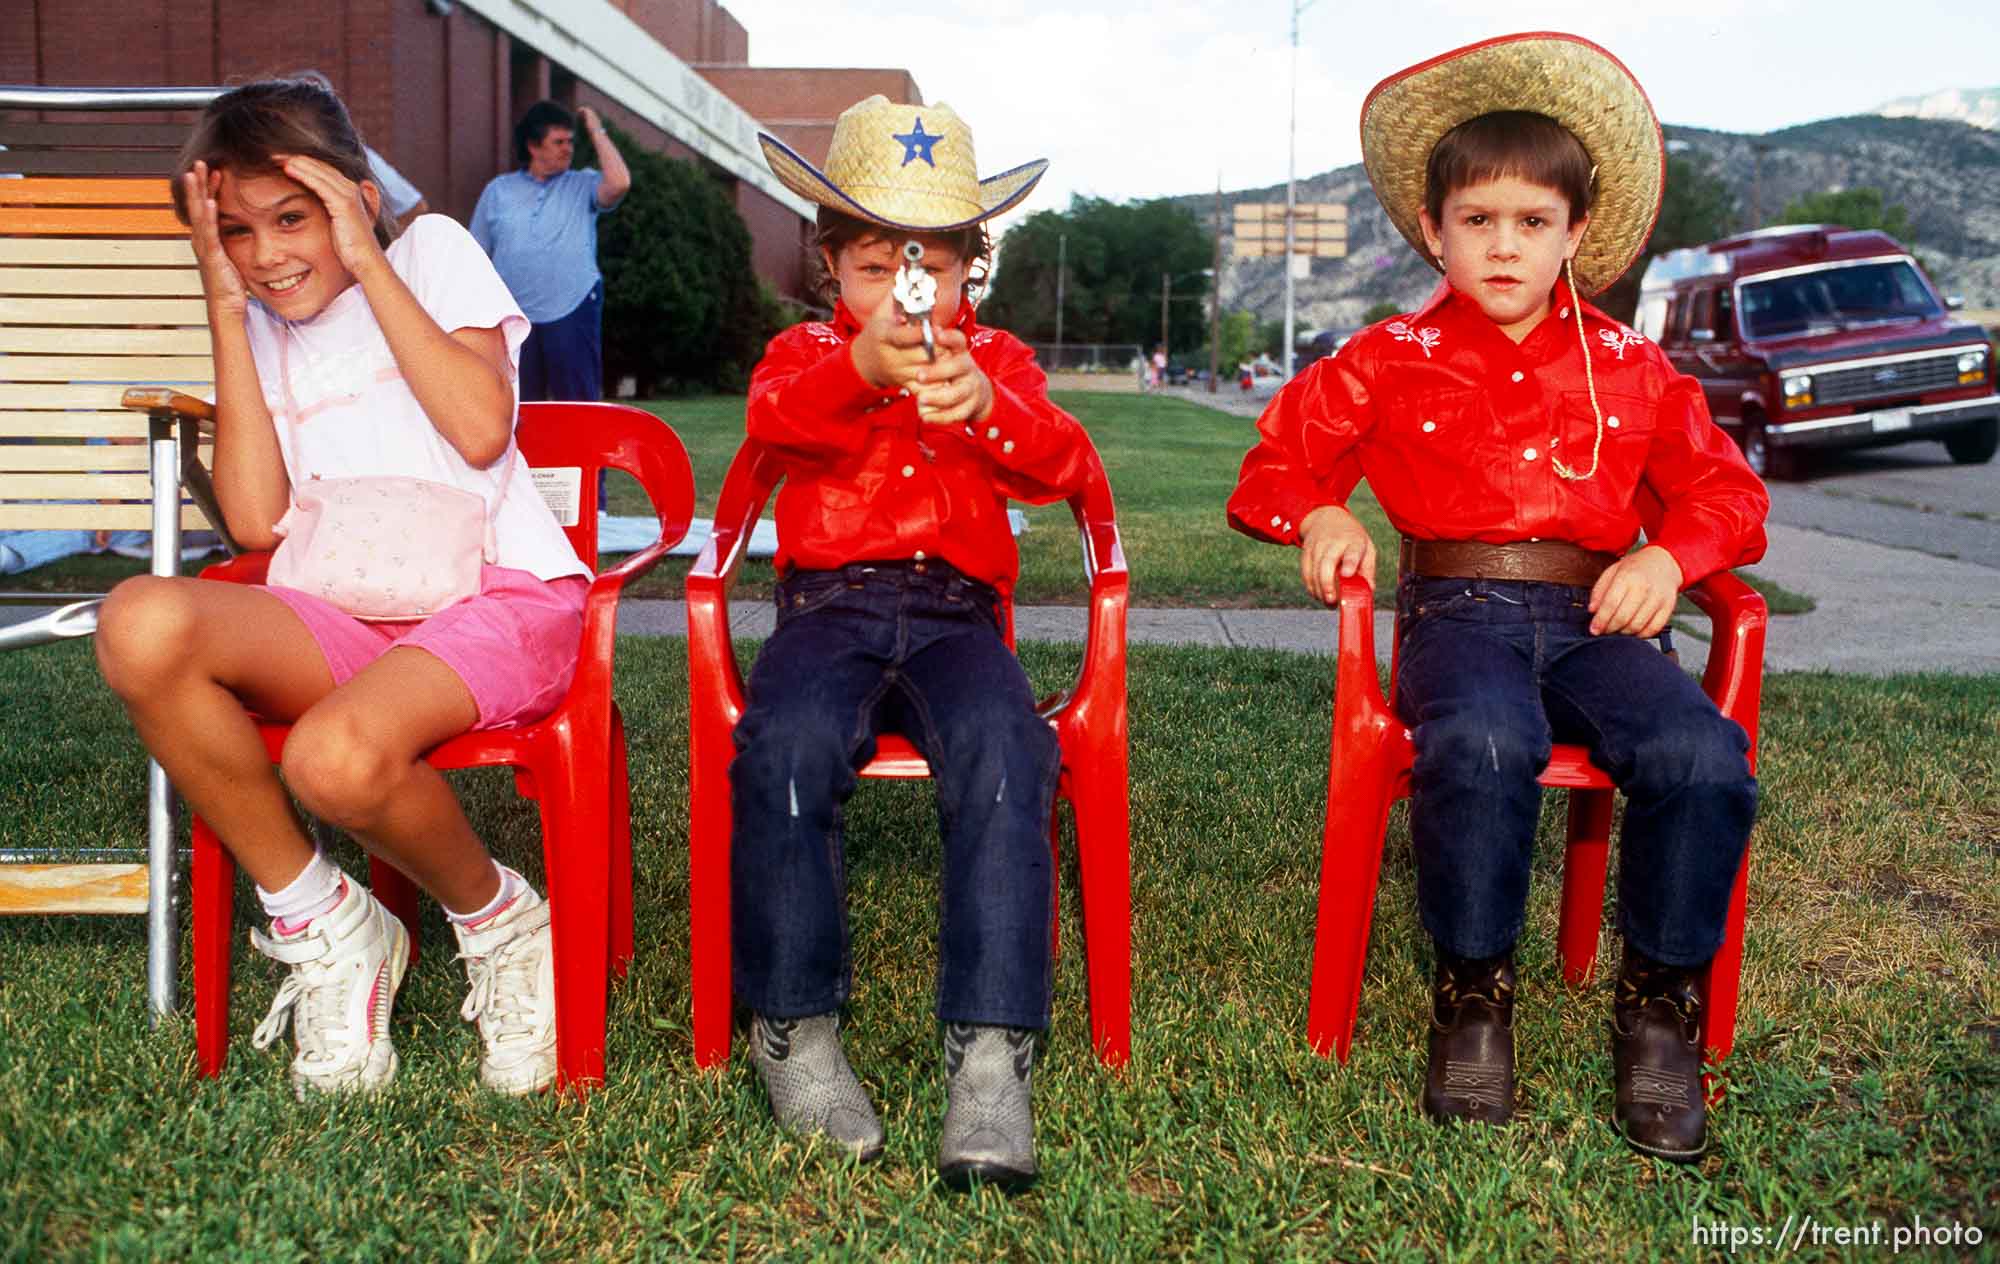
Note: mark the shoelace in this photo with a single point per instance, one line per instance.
(502, 983)
(315, 1005)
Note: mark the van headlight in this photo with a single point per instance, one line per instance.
(1972, 367)
(1798, 390)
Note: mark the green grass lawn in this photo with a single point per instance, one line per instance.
(1865, 1086)
(1172, 466)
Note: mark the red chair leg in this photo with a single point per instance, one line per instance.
(1361, 786)
(1055, 878)
(398, 894)
(212, 888)
(1104, 865)
(621, 851)
(1584, 861)
(708, 907)
(576, 847)
(1725, 972)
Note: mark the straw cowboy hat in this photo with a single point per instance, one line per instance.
(1569, 79)
(902, 166)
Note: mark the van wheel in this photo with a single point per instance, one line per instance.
(1976, 444)
(1766, 461)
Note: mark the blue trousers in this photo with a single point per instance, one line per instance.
(912, 648)
(564, 358)
(1491, 673)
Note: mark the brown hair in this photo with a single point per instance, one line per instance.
(834, 231)
(1526, 146)
(298, 114)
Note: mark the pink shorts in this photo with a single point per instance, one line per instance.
(514, 645)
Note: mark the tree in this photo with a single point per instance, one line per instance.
(1696, 207)
(1381, 311)
(1113, 259)
(1237, 341)
(682, 304)
(1849, 208)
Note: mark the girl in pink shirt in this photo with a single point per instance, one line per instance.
(344, 351)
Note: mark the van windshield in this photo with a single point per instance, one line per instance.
(1836, 298)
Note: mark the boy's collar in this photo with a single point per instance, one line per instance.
(1559, 300)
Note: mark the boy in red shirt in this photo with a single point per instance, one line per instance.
(1515, 435)
(895, 553)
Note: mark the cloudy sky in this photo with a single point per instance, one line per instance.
(1135, 100)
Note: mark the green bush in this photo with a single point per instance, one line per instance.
(683, 308)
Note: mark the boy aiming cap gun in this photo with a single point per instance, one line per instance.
(902, 427)
(1519, 439)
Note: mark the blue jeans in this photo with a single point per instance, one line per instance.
(1490, 673)
(564, 358)
(912, 648)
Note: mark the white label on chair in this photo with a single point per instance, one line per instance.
(562, 491)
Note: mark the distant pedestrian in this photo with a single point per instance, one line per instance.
(539, 224)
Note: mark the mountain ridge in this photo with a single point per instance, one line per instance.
(1944, 173)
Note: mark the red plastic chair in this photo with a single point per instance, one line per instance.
(572, 760)
(1370, 770)
(1089, 720)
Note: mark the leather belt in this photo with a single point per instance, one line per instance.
(1536, 561)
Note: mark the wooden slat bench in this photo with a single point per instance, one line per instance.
(103, 335)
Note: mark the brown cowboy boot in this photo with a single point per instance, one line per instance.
(1656, 1060)
(1471, 1073)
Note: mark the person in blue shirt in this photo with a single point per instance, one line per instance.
(539, 225)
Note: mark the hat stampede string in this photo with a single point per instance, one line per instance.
(1589, 380)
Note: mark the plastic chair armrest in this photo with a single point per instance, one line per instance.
(1356, 681)
(1734, 677)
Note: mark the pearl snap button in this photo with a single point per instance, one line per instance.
(920, 555)
(1611, 422)
(1007, 446)
(993, 432)
(1563, 314)
(1518, 375)
(1288, 526)
(1276, 519)
(1430, 426)
(909, 471)
(1529, 455)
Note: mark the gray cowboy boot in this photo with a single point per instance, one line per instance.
(989, 1122)
(813, 1090)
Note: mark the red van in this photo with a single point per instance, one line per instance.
(1817, 336)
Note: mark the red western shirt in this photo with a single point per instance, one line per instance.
(1454, 425)
(865, 480)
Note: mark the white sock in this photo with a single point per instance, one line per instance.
(511, 885)
(314, 891)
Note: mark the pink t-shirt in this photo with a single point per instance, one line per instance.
(357, 416)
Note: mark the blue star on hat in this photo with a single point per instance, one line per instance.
(917, 144)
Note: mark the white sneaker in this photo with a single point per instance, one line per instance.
(511, 965)
(346, 965)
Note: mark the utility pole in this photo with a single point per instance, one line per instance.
(1166, 288)
(1062, 257)
(1291, 185)
(1215, 291)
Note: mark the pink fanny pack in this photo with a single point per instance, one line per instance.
(384, 548)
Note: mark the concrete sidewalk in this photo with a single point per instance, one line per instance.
(1880, 611)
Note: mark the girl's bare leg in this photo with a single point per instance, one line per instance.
(189, 658)
(192, 659)
(355, 759)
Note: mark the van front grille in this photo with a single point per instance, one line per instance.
(1896, 379)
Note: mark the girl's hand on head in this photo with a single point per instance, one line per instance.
(952, 389)
(221, 283)
(349, 207)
